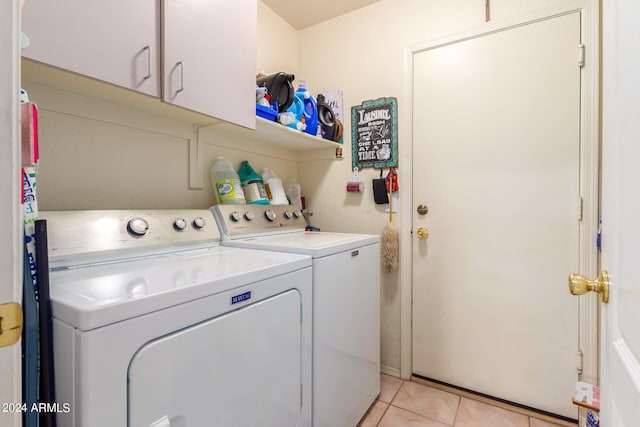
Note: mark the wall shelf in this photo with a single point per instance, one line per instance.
(273, 133)
(266, 132)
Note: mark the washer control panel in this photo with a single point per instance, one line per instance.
(241, 220)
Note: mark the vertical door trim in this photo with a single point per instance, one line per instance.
(10, 208)
(589, 171)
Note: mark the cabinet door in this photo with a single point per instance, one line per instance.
(210, 57)
(116, 41)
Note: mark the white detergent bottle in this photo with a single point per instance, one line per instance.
(226, 183)
(275, 191)
(294, 193)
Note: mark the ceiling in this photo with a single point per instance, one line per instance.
(304, 13)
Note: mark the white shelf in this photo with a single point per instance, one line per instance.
(273, 133)
(266, 132)
(277, 134)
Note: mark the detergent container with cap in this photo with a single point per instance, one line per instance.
(310, 109)
(274, 188)
(226, 183)
(253, 185)
(294, 116)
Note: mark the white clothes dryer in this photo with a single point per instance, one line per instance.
(155, 324)
(346, 303)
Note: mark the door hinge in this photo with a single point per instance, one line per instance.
(580, 204)
(579, 361)
(581, 56)
(10, 323)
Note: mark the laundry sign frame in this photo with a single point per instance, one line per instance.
(374, 134)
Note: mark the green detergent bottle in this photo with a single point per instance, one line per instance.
(252, 185)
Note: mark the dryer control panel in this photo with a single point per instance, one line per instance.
(245, 220)
(77, 237)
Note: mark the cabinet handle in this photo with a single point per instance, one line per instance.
(181, 76)
(148, 49)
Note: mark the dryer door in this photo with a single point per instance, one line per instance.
(239, 369)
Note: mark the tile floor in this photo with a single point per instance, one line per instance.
(410, 404)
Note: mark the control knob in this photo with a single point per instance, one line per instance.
(180, 224)
(138, 226)
(235, 216)
(199, 223)
(297, 214)
(288, 214)
(270, 215)
(249, 216)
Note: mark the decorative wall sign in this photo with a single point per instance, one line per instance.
(374, 134)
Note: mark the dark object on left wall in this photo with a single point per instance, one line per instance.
(47, 379)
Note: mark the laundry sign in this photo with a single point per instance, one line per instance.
(374, 134)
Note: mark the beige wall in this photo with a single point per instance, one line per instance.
(98, 154)
(363, 54)
(277, 43)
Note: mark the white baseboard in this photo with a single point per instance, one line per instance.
(388, 370)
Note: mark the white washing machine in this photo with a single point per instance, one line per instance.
(155, 324)
(346, 307)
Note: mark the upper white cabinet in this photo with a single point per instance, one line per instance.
(210, 57)
(208, 48)
(117, 41)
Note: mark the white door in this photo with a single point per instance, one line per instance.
(496, 148)
(620, 340)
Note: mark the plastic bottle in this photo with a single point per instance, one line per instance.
(226, 183)
(297, 110)
(253, 185)
(310, 110)
(294, 194)
(274, 188)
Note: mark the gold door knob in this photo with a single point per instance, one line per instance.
(580, 285)
(422, 233)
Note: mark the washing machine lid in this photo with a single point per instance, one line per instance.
(96, 295)
(315, 244)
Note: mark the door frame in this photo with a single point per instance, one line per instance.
(10, 208)
(589, 173)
